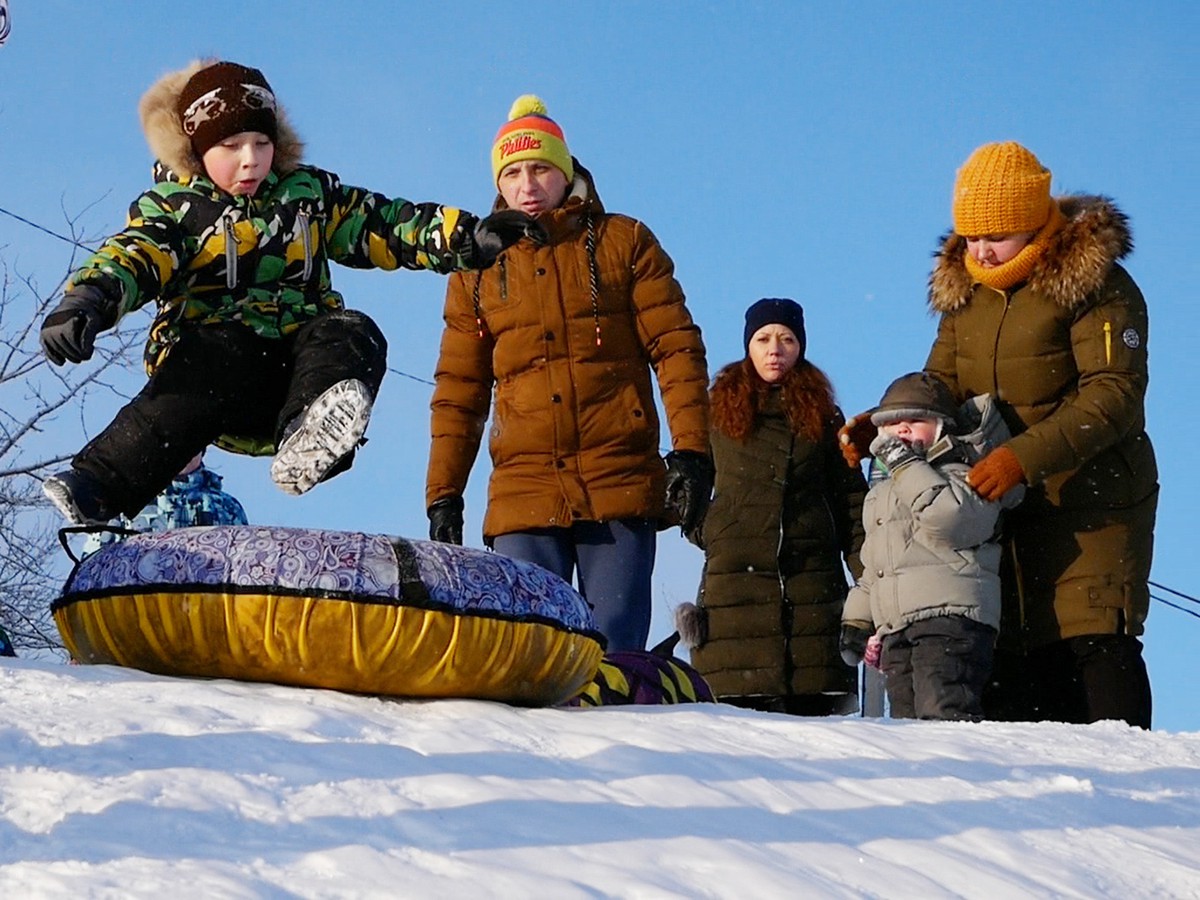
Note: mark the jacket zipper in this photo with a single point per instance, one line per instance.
(306, 237)
(787, 615)
(230, 253)
(996, 343)
(1020, 578)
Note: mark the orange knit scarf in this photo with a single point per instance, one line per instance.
(1017, 269)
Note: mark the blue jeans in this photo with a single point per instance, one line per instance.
(613, 560)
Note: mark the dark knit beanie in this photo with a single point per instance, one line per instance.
(775, 311)
(225, 99)
(917, 395)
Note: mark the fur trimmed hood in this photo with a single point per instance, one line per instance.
(1095, 236)
(172, 147)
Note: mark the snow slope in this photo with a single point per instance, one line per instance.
(116, 783)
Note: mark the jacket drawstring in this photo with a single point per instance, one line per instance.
(593, 271)
(475, 298)
(593, 280)
(475, 293)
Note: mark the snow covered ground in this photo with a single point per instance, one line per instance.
(116, 783)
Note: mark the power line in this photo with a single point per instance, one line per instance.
(413, 377)
(45, 230)
(1163, 587)
(1182, 609)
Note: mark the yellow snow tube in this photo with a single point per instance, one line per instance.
(353, 612)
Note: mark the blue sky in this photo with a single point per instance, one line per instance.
(790, 149)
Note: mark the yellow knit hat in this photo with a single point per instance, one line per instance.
(530, 134)
(1001, 189)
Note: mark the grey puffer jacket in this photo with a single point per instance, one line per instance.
(932, 545)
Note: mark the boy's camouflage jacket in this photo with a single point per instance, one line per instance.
(207, 256)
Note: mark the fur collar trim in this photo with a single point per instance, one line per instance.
(171, 146)
(1080, 255)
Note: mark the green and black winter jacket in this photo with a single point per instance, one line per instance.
(206, 257)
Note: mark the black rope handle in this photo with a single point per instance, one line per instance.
(64, 533)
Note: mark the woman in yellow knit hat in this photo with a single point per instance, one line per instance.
(1036, 309)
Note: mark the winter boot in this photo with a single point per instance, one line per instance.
(77, 496)
(322, 436)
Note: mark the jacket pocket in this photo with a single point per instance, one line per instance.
(522, 424)
(1117, 478)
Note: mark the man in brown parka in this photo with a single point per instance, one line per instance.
(565, 334)
(1036, 309)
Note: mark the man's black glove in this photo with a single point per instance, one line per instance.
(446, 520)
(499, 231)
(853, 642)
(69, 332)
(689, 487)
(892, 452)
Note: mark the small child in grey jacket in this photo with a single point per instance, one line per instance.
(930, 589)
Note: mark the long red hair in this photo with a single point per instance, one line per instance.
(738, 394)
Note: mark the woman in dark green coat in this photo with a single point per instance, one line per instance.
(785, 518)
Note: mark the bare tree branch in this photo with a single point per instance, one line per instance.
(34, 395)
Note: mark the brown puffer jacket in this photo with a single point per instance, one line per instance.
(1065, 355)
(786, 514)
(566, 335)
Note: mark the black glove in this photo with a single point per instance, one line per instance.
(499, 231)
(892, 452)
(689, 487)
(69, 332)
(853, 642)
(446, 520)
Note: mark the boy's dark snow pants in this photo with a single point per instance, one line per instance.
(937, 668)
(225, 379)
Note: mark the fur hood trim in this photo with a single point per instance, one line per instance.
(691, 624)
(172, 147)
(1080, 255)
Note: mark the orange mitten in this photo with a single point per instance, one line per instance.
(854, 438)
(996, 474)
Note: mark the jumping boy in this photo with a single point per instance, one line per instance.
(251, 347)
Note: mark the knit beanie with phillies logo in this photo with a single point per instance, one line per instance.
(530, 134)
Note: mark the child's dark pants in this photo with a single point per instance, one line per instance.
(225, 379)
(937, 668)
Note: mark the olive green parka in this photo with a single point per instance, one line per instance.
(1065, 355)
(785, 515)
